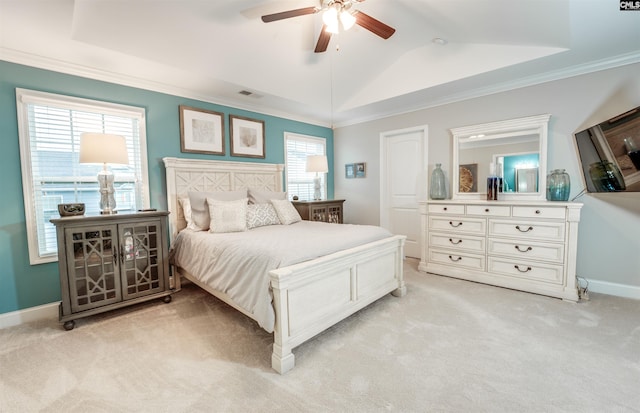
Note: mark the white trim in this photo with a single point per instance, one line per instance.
(619, 290)
(29, 315)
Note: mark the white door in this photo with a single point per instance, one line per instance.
(403, 172)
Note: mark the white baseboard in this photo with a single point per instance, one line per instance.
(41, 312)
(619, 290)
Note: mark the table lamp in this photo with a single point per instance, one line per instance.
(317, 164)
(103, 148)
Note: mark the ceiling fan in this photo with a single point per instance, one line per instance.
(335, 13)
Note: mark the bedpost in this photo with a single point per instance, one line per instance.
(282, 358)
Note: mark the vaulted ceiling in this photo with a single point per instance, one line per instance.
(212, 50)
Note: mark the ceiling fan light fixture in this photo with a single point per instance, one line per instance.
(330, 16)
(347, 19)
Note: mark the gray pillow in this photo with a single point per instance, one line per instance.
(257, 196)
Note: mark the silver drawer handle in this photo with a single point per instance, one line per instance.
(528, 249)
(455, 243)
(455, 226)
(524, 230)
(518, 268)
(455, 260)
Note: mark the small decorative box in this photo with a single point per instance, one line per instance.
(69, 210)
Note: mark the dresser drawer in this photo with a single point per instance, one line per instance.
(458, 224)
(525, 249)
(526, 269)
(456, 259)
(489, 210)
(449, 209)
(534, 230)
(539, 212)
(457, 242)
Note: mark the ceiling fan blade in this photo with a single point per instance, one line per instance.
(288, 14)
(373, 25)
(323, 40)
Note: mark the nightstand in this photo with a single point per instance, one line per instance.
(111, 261)
(329, 210)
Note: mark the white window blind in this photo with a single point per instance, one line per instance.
(300, 182)
(49, 127)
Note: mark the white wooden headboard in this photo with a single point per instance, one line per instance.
(197, 175)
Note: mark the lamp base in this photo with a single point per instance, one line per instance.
(317, 194)
(107, 192)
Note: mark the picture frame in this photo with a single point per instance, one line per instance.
(247, 137)
(361, 170)
(201, 131)
(349, 170)
(468, 175)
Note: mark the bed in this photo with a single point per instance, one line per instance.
(306, 296)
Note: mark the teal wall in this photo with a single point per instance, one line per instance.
(23, 285)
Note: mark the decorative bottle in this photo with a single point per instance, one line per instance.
(606, 177)
(438, 189)
(633, 150)
(494, 183)
(558, 185)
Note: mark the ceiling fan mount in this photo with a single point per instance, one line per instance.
(336, 13)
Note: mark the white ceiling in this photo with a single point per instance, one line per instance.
(213, 49)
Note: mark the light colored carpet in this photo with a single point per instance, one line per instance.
(447, 346)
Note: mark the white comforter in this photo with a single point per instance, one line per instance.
(238, 263)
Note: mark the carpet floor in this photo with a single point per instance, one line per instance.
(447, 346)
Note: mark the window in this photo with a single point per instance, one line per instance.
(299, 181)
(49, 127)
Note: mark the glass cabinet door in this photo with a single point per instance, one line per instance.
(94, 279)
(141, 258)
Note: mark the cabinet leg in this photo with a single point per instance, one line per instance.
(69, 325)
(167, 299)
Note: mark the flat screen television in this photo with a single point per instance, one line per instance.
(610, 154)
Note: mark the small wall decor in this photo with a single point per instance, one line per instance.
(201, 131)
(355, 170)
(247, 137)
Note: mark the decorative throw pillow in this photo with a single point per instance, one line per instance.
(260, 215)
(200, 208)
(257, 196)
(186, 211)
(287, 213)
(227, 216)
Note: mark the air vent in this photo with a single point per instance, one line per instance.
(249, 93)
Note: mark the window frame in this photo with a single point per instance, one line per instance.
(25, 97)
(309, 139)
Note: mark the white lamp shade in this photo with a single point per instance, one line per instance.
(317, 163)
(103, 148)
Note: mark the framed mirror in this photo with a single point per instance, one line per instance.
(515, 150)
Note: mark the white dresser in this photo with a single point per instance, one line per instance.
(528, 246)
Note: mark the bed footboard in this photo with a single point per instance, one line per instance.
(312, 296)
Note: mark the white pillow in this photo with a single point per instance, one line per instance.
(227, 216)
(260, 215)
(200, 208)
(257, 196)
(186, 211)
(287, 213)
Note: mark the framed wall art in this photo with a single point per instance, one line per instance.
(247, 137)
(355, 170)
(349, 170)
(201, 131)
(361, 169)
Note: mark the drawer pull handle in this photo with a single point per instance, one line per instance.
(524, 230)
(455, 226)
(528, 249)
(444, 209)
(538, 211)
(455, 243)
(455, 260)
(518, 268)
(486, 210)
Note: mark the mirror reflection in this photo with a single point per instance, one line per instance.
(514, 150)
